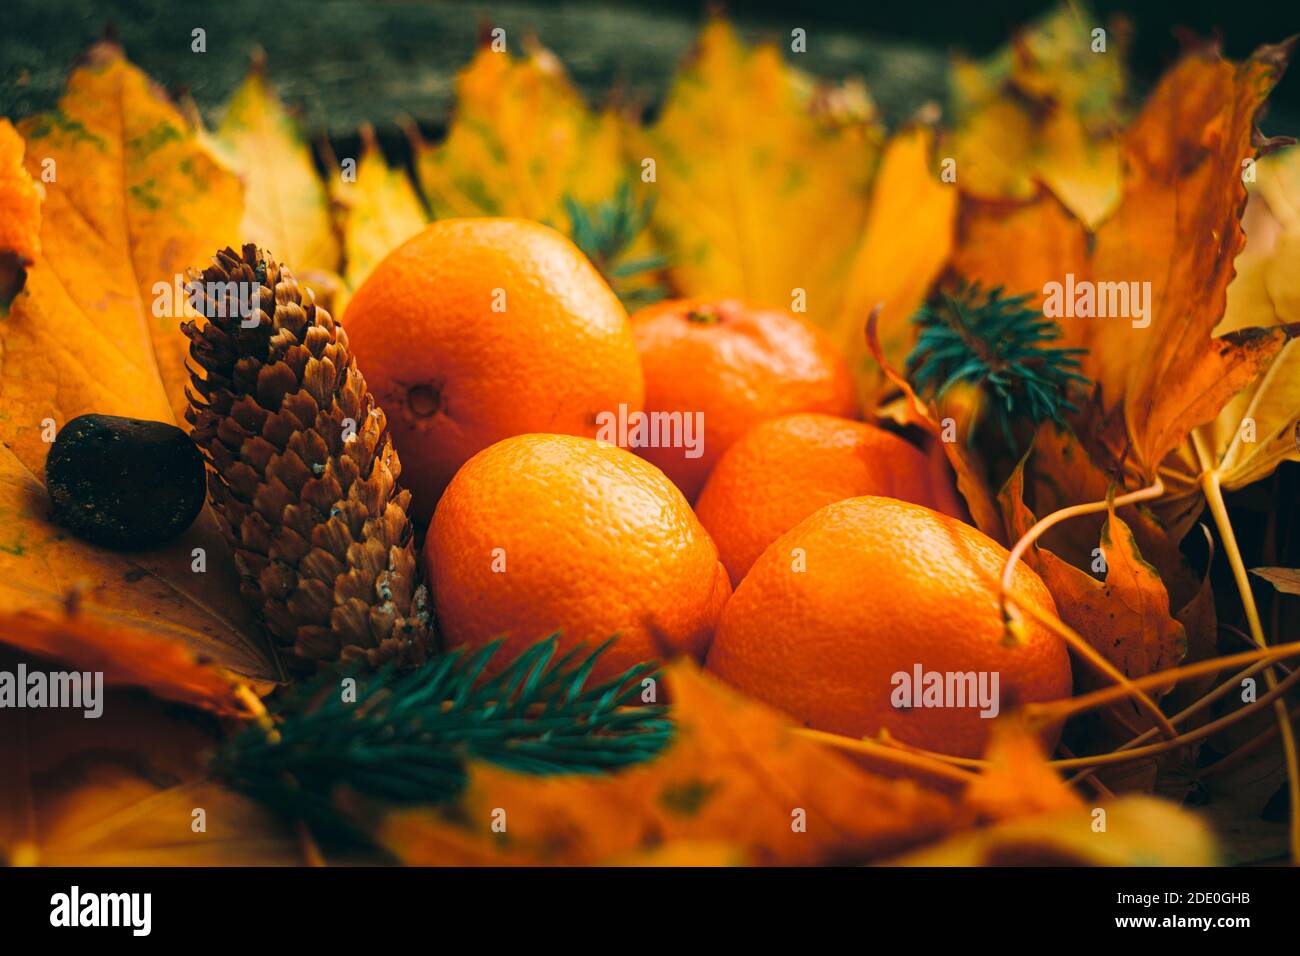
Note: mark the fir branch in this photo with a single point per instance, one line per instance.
(980, 338)
(606, 230)
(408, 735)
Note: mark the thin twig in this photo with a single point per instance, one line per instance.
(1211, 487)
(906, 759)
(1192, 709)
(1065, 707)
(1088, 776)
(1228, 761)
(1200, 733)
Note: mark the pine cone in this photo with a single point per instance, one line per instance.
(321, 536)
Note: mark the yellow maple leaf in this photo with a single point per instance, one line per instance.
(286, 209)
(135, 200)
(381, 211)
(760, 191)
(521, 140)
(767, 187)
(103, 259)
(1047, 109)
(905, 245)
(1257, 429)
(1179, 229)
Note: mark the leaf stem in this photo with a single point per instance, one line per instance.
(1066, 707)
(1194, 708)
(1063, 630)
(1213, 490)
(1119, 756)
(1089, 776)
(960, 769)
(1200, 733)
(1228, 761)
(907, 759)
(1064, 514)
(1081, 646)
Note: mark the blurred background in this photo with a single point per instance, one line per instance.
(343, 62)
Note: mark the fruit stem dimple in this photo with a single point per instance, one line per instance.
(424, 400)
(705, 316)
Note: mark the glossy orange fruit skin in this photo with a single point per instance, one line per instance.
(782, 470)
(887, 585)
(453, 376)
(738, 364)
(595, 542)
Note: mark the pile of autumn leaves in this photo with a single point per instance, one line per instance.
(765, 185)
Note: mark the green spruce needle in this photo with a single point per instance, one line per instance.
(1000, 345)
(407, 736)
(605, 231)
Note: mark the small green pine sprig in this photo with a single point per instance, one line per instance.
(983, 339)
(407, 736)
(606, 230)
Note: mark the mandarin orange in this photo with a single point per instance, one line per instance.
(867, 589)
(731, 365)
(478, 329)
(540, 533)
(782, 470)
